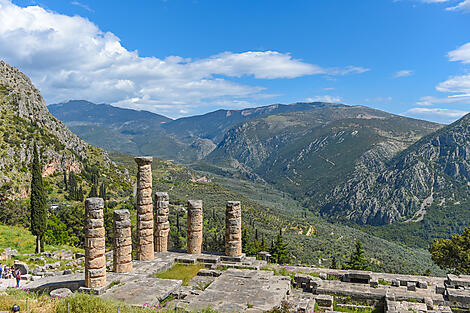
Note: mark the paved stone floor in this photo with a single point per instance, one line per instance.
(239, 290)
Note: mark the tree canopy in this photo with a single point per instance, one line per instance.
(453, 254)
(38, 201)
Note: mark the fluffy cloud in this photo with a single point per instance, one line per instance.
(435, 114)
(461, 54)
(403, 73)
(462, 6)
(71, 58)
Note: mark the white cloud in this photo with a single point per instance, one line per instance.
(71, 58)
(455, 84)
(461, 54)
(454, 99)
(83, 6)
(403, 73)
(326, 98)
(462, 6)
(435, 114)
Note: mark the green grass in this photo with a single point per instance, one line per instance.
(78, 303)
(181, 272)
(17, 238)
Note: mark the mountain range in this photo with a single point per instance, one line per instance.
(350, 163)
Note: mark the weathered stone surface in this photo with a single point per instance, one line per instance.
(122, 254)
(233, 229)
(60, 293)
(162, 226)
(23, 267)
(95, 261)
(195, 225)
(145, 244)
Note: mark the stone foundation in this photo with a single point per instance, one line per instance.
(233, 229)
(145, 250)
(162, 225)
(95, 260)
(195, 225)
(122, 255)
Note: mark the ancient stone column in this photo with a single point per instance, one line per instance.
(95, 260)
(195, 226)
(233, 229)
(144, 209)
(122, 254)
(162, 225)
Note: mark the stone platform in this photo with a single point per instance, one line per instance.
(238, 290)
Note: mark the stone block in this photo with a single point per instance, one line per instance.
(411, 286)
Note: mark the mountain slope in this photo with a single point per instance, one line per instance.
(309, 153)
(25, 121)
(434, 170)
(140, 132)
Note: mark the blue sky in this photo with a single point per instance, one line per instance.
(183, 57)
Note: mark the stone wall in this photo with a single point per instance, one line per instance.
(145, 250)
(122, 255)
(162, 225)
(233, 229)
(195, 225)
(95, 260)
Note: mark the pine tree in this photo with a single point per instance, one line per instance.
(80, 194)
(93, 193)
(38, 201)
(357, 260)
(72, 186)
(279, 252)
(334, 264)
(65, 180)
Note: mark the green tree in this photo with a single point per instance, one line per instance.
(93, 193)
(334, 263)
(279, 251)
(357, 260)
(453, 254)
(38, 201)
(72, 186)
(56, 233)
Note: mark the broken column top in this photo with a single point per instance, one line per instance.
(163, 195)
(143, 160)
(197, 204)
(233, 203)
(94, 203)
(121, 215)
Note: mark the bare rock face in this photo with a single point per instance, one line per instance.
(233, 229)
(145, 249)
(162, 225)
(24, 117)
(122, 256)
(95, 260)
(195, 226)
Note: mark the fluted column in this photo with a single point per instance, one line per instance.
(195, 225)
(95, 260)
(144, 209)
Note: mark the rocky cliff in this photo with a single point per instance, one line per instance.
(436, 169)
(25, 120)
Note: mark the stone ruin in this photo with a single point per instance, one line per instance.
(95, 260)
(145, 249)
(122, 243)
(195, 226)
(162, 225)
(234, 282)
(233, 229)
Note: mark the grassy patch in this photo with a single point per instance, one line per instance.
(79, 303)
(181, 272)
(384, 282)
